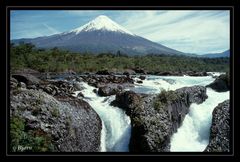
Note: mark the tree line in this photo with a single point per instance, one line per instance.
(58, 60)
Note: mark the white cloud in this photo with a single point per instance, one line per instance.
(187, 31)
(51, 29)
(190, 31)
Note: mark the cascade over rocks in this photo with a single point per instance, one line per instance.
(155, 118)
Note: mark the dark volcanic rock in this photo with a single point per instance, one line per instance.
(126, 73)
(109, 89)
(70, 123)
(127, 100)
(103, 72)
(59, 88)
(220, 129)
(139, 81)
(155, 118)
(80, 95)
(28, 79)
(194, 73)
(140, 71)
(165, 73)
(102, 80)
(22, 85)
(95, 91)
(63, 122)
(194, 94)
(142, 77)
(221, 83)
(77, 86)
(13, 83)
(129, 72)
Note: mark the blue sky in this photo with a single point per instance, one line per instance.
(190, 31)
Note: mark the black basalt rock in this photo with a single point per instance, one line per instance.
(220, 129)
(109, 89)
(221, 83)
(154, 118)
(70, 124)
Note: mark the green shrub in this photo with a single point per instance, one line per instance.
(17, 133)
(164, 98)
(40, 141)
(23, 140)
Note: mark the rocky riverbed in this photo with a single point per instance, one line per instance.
(47, 108)
(156, 117)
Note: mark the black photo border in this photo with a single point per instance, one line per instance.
(44, 5)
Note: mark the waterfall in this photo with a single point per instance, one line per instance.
(116, 125)
(194, 133)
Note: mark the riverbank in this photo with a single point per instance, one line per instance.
(92, 96)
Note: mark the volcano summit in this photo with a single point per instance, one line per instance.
(98, 36)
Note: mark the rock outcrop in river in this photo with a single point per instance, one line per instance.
(45, 117)
(221, 83)
(220, 129)
(155, 118)
(108, 84)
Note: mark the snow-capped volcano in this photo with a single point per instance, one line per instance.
(102, 22)
(101, 35)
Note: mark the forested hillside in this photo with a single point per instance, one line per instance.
(56, 60)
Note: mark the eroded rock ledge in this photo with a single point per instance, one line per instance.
(155, 118)
(221, 83)
(44, 116)
(220, 130)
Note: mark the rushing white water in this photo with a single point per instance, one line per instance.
(153, 84)
(193, 135)
(116, 130)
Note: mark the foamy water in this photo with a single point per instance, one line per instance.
(193, 135)
(116, 130)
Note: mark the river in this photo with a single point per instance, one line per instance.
(192, 135)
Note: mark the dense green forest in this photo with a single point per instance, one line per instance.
(56, 60)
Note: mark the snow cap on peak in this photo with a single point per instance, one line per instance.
(102, 17)
(102, 22)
